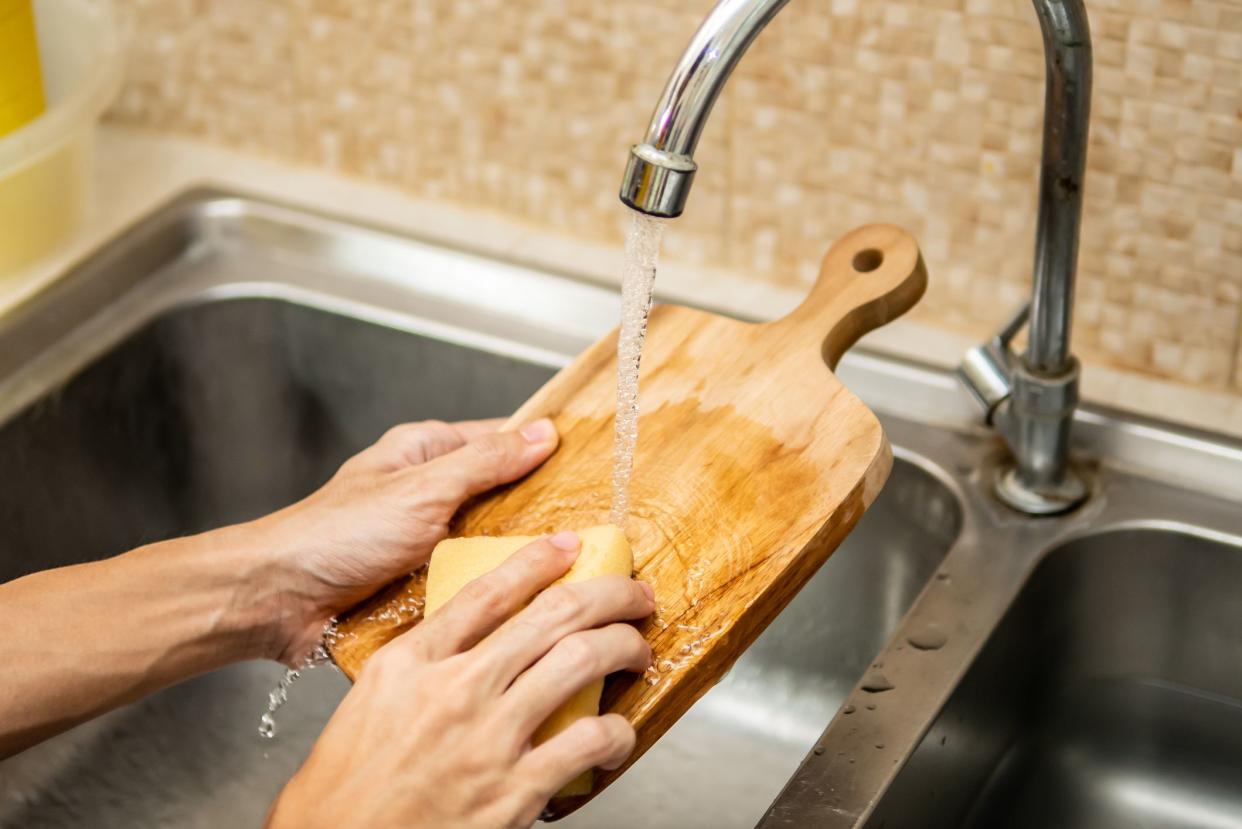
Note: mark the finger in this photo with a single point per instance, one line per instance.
(408, 444)
(411, 444)
(591, 742)
(573, 663)
(492, 460)
(487, 601)
(475, 429)
(559, 611)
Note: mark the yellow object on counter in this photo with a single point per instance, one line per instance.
(74, 72)
(21, 78)
(458, 561)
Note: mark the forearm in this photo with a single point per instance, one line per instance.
(81, 640)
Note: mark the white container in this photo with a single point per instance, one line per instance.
(45, 166)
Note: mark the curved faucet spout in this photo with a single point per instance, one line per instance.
(660, 170)
(1067, 110)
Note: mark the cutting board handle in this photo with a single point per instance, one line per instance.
(869, 277)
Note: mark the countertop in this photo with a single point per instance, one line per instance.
(135, 172)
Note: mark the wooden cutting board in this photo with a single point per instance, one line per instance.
(753, 463)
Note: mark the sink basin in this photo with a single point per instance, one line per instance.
(1110, 695)
(239, 382)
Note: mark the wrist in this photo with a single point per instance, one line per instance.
(272, 596)
(254, 611)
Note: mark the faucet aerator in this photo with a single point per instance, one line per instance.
(657, 182)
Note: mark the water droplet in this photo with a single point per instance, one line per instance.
(876, 683)
(943, 575)
(928, 637)
(879, 745)
(849, 709)
(871, 706)
(818, 750)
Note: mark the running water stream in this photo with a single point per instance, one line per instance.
(642, 252)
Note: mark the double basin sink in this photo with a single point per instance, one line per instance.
(953, 664)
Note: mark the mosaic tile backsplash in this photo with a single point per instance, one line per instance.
(925, 113)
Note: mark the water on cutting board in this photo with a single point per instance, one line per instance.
(642, 253)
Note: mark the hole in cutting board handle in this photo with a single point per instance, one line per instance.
(866, 261)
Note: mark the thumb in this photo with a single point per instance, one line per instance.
(492, 460)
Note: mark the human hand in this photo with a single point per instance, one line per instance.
(437, 731)
(378, 519)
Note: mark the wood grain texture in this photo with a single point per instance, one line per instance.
(753, 463)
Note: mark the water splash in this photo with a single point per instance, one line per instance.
(279, 695)
(685, 657)
(642, 253)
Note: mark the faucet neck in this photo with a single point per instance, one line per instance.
(660, 170)
(1067, 110)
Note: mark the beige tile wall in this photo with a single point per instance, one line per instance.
(921, 112)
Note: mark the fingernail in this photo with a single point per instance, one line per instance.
(565, 541)
(649, 590)
(541, 431)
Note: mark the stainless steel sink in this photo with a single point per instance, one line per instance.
(220, 361)
(954, 663)
(1110, 695)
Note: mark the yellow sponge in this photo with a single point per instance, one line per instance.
(458, 561)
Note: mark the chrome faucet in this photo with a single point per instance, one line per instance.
(1029, 398)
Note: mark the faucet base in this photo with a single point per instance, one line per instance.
(1065, 496)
